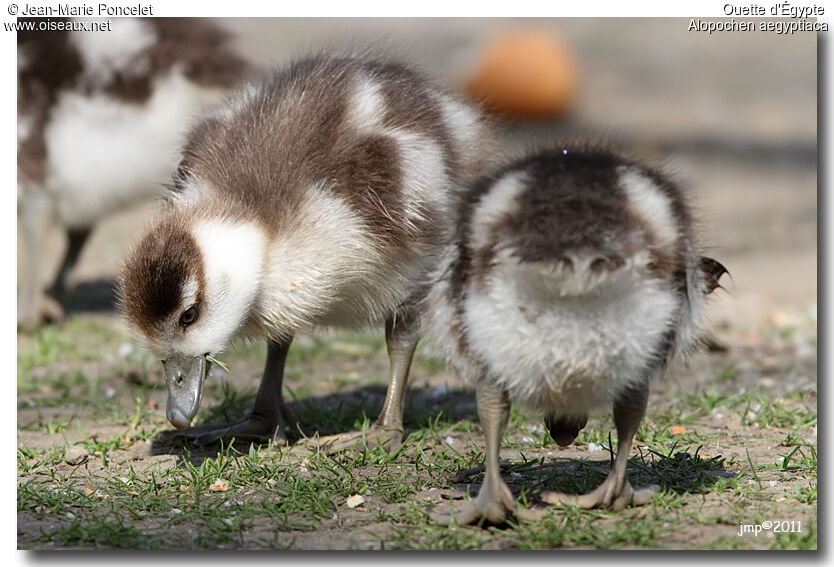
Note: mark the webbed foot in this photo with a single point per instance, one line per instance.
(493, 506)
(48, 310)
(254, 428)
(606, 495)
(376, 436)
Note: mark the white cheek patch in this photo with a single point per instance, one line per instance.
(232, 255)
(650, 204)
(501, 200)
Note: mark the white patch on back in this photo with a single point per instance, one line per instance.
(650, 204)
(116, 51)
(498, 202)
(424, 180)
(570, 355)
(466, 128)
(367, 106)
(104, 154)
(425, 185)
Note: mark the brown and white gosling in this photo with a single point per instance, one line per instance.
(319, 197)
(574, 279)
(100, 119)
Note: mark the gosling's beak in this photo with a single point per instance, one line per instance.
(184, 375)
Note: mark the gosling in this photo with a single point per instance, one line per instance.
(318, 197)
(574, 280)
(100, 119)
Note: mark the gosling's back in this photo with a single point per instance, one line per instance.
(574, 275)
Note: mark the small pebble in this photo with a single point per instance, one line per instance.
(593, 447)
(355, 500)
(450, 441)
(75, 454)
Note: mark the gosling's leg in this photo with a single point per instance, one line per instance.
(76, 238)
(270, 419)
(494, 502)
(33, 306)
(402, 333)
(616, 491)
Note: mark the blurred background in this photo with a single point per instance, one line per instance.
(732, 114)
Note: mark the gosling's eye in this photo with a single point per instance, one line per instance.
(189, 316)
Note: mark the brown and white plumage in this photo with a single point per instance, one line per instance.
(319, 196)
(574, 278)
(100, 119)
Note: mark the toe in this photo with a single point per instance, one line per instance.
(643, 495)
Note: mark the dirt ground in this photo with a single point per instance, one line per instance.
(731, 440)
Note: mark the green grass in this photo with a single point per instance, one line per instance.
(131, 492)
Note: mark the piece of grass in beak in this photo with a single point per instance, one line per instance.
(219, 363)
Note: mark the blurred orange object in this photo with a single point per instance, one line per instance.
(526, 74)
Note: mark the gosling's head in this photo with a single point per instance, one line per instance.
(188, 287)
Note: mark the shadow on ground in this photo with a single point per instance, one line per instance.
(680, 472)
(93, 296)
(329, 414)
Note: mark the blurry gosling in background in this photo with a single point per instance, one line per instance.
(100, 120)
(318, 197)
(574, 279)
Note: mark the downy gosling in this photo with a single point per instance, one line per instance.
(318, 197)
(574, 279)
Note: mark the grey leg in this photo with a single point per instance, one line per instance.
(402, 333)
(35, 215)
(494, 501)
(270, 417)
(616, 491)
(76, 238)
